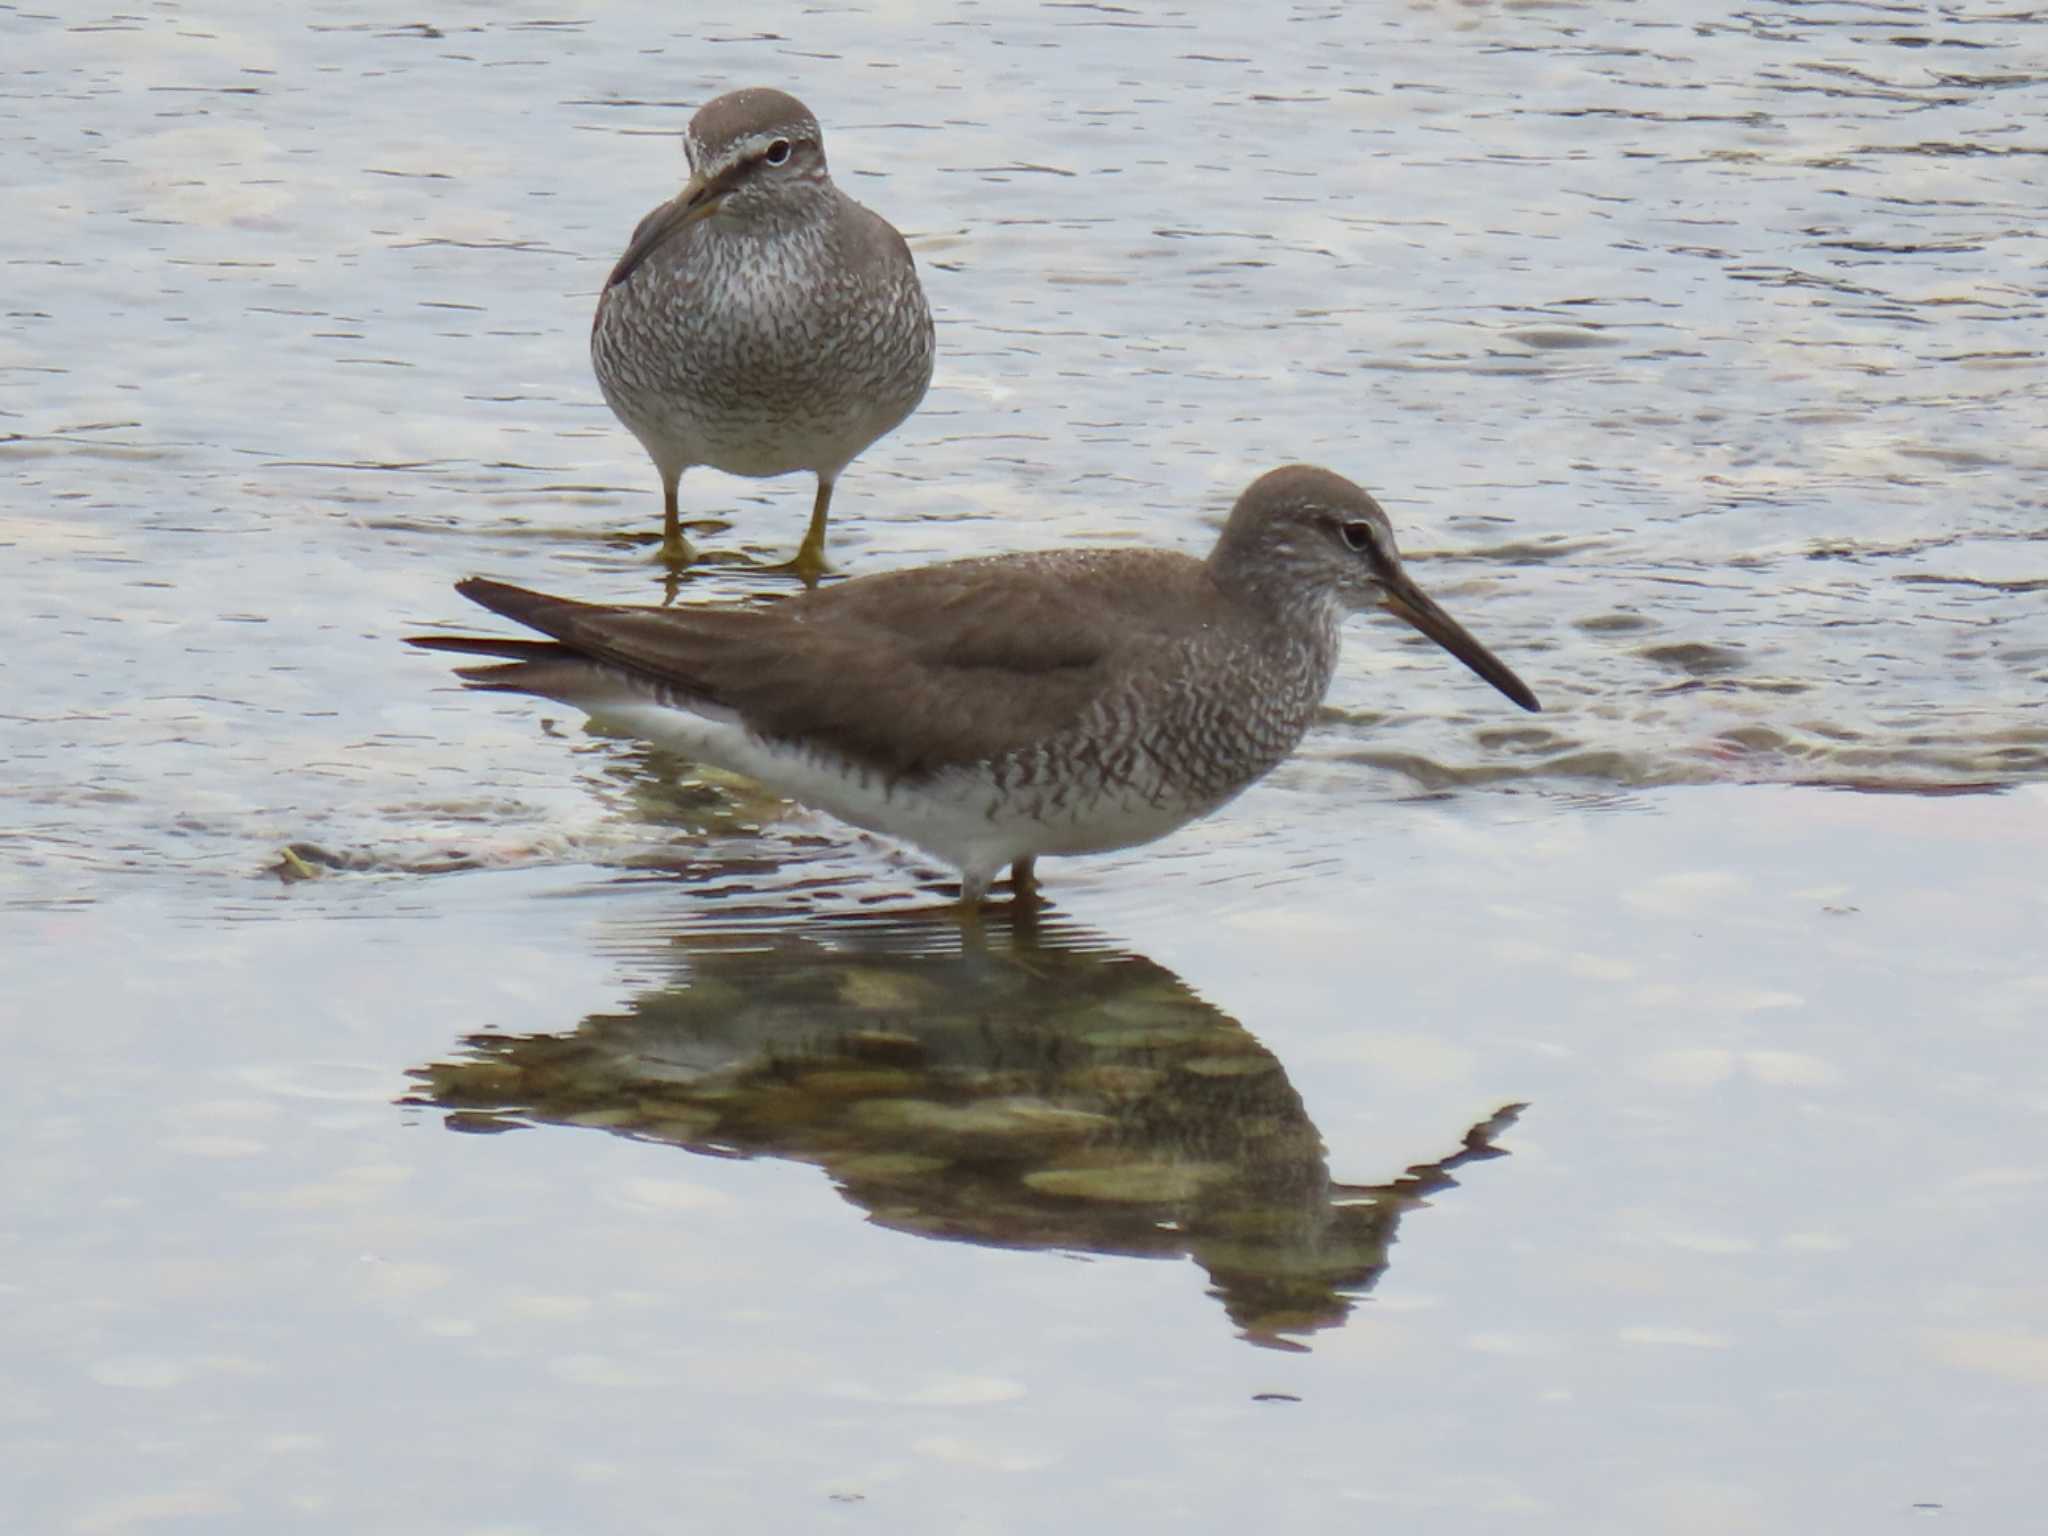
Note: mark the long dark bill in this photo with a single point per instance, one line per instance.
(698, 200)
(1407, 601)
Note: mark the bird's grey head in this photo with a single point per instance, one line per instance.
(1302, 537)
(1312, 533)
(750, 146)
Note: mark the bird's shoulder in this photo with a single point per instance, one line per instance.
(966, 663)
(1058, 611)
(909, 673)
(865, 241)
(913, 672)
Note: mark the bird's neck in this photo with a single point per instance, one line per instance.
(1269, 586)
(794, 208)
(1292, 627)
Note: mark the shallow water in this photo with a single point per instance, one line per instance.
(1699, 366)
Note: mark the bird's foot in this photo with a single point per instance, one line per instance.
(808, 571)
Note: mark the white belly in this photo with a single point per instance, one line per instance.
(958, 816)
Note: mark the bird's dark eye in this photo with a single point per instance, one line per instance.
(1357, 537)
(778, 153)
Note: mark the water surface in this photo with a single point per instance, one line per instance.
(594, 1138)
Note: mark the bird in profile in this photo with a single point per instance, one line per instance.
(761, 321)
(994, 710)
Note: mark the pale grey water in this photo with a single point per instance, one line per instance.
(1700, 363)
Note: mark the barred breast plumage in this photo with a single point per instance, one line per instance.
(761, 322)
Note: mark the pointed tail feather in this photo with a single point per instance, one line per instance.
(485, 645)
(597, 655)
(564, 677)
(520, 666)
(522, 605)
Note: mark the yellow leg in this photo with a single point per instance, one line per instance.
(1024, 881)
(675, 549)
(810, 555)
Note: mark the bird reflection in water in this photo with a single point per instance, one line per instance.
(1023, 1086)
